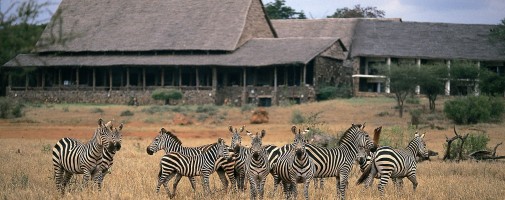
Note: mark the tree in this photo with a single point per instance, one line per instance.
(403, 81)
(464, 76)
(279, 10)
(166, 95)
(498, 33)
(491, 83)
(358, 12)
(431, 80)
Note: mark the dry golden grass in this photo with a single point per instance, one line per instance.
(26, 169)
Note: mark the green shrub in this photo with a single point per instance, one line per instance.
(209, 109)
(413, 100)
(127, 113)
(415, 117)
(166, 95)
(474, 142)
(97, 110)
(247, 107)
(10, 108)
(471, 110)
(297, 117)
(332, 92)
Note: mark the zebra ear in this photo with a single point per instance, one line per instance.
(263, 133)
(363, 127)
(416, 134)
(163, 131)
(230, 128)
(422, 136)
(293, 129)
(242, 129)
(100, 122)
(249, 134)
(220, 141)
(121, 126)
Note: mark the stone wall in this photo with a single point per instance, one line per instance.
(332, 72)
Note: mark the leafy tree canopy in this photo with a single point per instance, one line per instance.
(279, 10)
(358, 12)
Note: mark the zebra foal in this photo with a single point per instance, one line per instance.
(178, 165)
(395, 163)
(108, 156)
(71, 156)
(256, 166)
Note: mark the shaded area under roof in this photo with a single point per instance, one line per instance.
(426, 40)
(133, 25)
(256, 52)
(342, 28)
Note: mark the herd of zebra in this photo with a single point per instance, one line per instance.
(289, 165)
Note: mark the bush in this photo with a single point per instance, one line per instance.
(97, 110)
(127, 113)
(10, 108)
(209, 109)
(166, 95)
(332, 92)
(247, 107)
(297, 117)
(474, 142)
(471, 110)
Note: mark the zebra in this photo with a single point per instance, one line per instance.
(71, 156)
(107, 157)
(395, 163)
(178, 165)
(338, 162)
(257, 165)
(240, 155)
(169, 142)
(295, 166)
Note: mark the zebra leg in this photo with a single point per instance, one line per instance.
(230, 172)
(176, 182)
(286, 188)
(306, 189)
(193, 182)
(413, 179)
(261, 189)
(223, 178)
(321, 183)
(205, 180)
(294, 191)
(398, 183)
(59, 174)
(66, 179)
(384, 178)
(253, 186)
(276, 183)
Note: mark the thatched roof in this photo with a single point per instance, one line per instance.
(342, 28)
(256, 52)
(133, 25)
(425, 40)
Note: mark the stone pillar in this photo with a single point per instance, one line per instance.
(143, 78)
(110, 79)
(275, 100)
(59, 78)
(304, 79)
(128, 78)
(355, 80)
(244, 87)
(214, 79)
(94, 78)
(197, 79)
(162, 76)
(43, 78)
(27, 82)
(448, 82)
(77, 78)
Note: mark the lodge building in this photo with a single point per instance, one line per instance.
(226, 52)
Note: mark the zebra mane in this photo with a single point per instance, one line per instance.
(170, 134)
(353, 129)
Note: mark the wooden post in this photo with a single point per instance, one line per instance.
(128, 78)
(197, 79)
(418, 87)
(180, 77)
(276, 101)
(59, 78)
(285, 75)
(42, 71)
(94, 79)
(388, 80)
(144, 78)
(448, 82)
(9, 77)
(244, 92)
(304, 74)
(110, 79)
(214, 79)
(162, 76)
(27, 82)
(77, 78)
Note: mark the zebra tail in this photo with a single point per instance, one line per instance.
(365, 174)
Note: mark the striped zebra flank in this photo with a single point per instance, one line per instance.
(257, 165)
(71, 156)
(169, 142)
(338, 162)
(295, 166)
(178, 165)
(107, 160)
(395, 163)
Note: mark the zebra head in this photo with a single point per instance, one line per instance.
(222, 149)
(236, 139)
(160, 141)
(359, 138)
(419, 146)
(116, 138)
(103, 135)
(256, 144)
(299, 141)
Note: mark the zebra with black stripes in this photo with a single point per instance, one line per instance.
(71, 156)
(108, 156)
(239, 156)
(169, 142)
(257, 166)
(178, 165)
(338, 161)
(395, 163)
(295, 166)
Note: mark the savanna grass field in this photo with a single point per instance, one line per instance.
(26, 143)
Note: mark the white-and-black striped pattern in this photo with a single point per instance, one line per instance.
(108, 156)
(204, 165)
(71, 156)
(338, 162)
(169, 142)
(395, 163)
(257, 165)
(295, 166)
